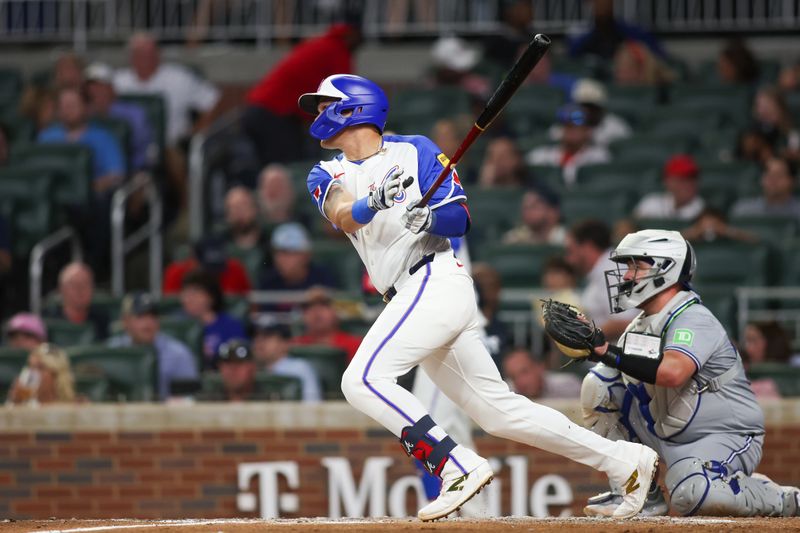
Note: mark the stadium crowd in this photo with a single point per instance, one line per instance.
(611, 135)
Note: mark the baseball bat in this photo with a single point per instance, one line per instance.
(524, 65)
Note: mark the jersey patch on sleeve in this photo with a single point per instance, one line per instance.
(683, 336)
(443, 159)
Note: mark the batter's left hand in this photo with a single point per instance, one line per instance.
(417, 219)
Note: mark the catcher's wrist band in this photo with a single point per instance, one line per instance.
(641, 368)
(362, 212)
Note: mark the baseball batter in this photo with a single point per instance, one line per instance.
(676, 383)
(369, 191)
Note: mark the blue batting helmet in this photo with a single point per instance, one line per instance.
(363, 97)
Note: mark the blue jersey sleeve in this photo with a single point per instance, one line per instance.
(431, 161)
(319, 183)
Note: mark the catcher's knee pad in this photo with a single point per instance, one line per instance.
(700, 487)
(601, 393)
(418, 444)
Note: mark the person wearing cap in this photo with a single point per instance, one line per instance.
(271, 342)
(141, 325)
(540, 219)
(592, 97)
(575, 149)
(76, 289)
(103, 103)
(453, 63)
(237, 368)
(321, 324)
(47, 378)
(210, 255)
(293, 269)
(25, 331)
(680, 199)
(202, 300)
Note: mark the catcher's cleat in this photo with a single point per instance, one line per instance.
(457, 489)
(604, 505)
(636, 486)
(791, 495)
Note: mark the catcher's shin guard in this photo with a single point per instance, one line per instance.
(418, 444)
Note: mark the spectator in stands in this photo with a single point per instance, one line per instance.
(74, 127)
(736, 63)
(753, 145)
(293, 269)
(103, 103)
(454, 61)
(237, 368)
(789, 78)
(607, 33)
(505, 46)
(277, 201)
(592, 97)
(38, 104)
(141, 325)
(503, 165)
(25, 331)
(272, 120)
(777, 193)
(271, 341)
(712, 225)
(244, 234)
(76, 288)
(46, 379)
(183, 91)
(765, 342)
(529, 377)
(321, 324)
(634, 64)
(575, 149)
(540, 219)
(488, 285)
(68, 72)
(681, 198)
(202, 300)
(771, 116)
(588, 248)
(209, 254)
(559, 277)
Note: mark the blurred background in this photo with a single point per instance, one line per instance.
(157, 240)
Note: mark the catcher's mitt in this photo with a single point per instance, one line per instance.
(572, 332)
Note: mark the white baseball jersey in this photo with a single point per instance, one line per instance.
(386, 247)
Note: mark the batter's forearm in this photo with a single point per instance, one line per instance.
(339, 206)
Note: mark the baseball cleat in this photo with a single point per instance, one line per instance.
(604, 505)
(791, 495)
(457, 490)
(637, 485)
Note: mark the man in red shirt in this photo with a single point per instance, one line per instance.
(209, 254)
(272, 120)
(322, 324)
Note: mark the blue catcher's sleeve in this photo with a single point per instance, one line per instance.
(431, 161)
(319, 183)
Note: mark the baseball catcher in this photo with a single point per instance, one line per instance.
(675, 382)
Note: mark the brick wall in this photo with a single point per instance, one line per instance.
(156, 461)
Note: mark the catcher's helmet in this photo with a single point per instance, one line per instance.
(363, 97)
(672, 259)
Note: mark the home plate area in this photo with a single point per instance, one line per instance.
(661, 524)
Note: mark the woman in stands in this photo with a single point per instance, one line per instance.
(47, 378)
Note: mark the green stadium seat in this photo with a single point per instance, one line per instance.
(92, 386)
(548, 175)
(186, 330)
(64, 333)
(329, 362)
(732, 264)
(495, 207)
(793, 103)
(276, 388)
(645, 149)
(121, 130)
(12, 361)
(733, 101)
(72, 165)
(237, 306)
(253, 260)
(722, 302)
(131, 371)
(787, 378)
(519, 266)
(775, 229)
(740, 178)
(607, 177)
(22, 191)
(169, 305)
(608, 207)
(790, 265)
(670, 224)
(533, 109)
(10, 87)
(437, 102)
(631, 102)
(341, 258)
(155, 108)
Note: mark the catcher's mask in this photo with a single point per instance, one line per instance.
(671, 261)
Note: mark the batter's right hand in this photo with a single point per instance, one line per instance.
(383, 197)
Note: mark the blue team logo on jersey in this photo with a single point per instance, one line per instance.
(401, 196)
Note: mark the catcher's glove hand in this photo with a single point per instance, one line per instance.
(572, 332)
